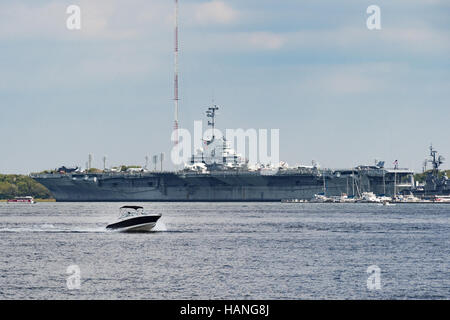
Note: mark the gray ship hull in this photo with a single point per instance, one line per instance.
(221, 186)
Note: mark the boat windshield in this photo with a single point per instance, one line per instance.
(130, 211)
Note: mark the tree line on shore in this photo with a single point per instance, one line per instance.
(13, 185)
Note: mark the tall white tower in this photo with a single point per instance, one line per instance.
(176, 98)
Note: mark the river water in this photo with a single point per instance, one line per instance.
(226, 251)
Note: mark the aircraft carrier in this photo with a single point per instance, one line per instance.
(292, 183)
(218, 173)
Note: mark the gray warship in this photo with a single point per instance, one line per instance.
(218, 173)
(436, 181)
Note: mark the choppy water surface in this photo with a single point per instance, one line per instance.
(227, 251)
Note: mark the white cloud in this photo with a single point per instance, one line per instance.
(349, 79)
(17, 19)
(100, 19)
(410, 40)
(397, 41)
(235, 41)
(217, 12)
(339, 83)
(266, 40)
(419, 39)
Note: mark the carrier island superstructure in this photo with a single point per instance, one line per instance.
(217, 173)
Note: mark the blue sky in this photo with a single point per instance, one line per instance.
(339, 93)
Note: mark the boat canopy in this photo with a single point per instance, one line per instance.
(132, 207)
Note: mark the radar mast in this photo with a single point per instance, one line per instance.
(211, 113)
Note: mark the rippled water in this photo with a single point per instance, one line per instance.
(227, 251)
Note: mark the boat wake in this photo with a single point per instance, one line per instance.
(160, 227)
(50, 228)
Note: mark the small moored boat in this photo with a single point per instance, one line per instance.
(133, 218)
(27, 199)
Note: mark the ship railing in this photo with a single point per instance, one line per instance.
(44, 175)
(102, 175)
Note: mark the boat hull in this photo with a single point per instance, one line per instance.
(135, 224)
(29, 201)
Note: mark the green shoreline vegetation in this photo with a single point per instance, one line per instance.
(14, 185)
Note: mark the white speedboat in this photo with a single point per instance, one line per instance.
(134, 219)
